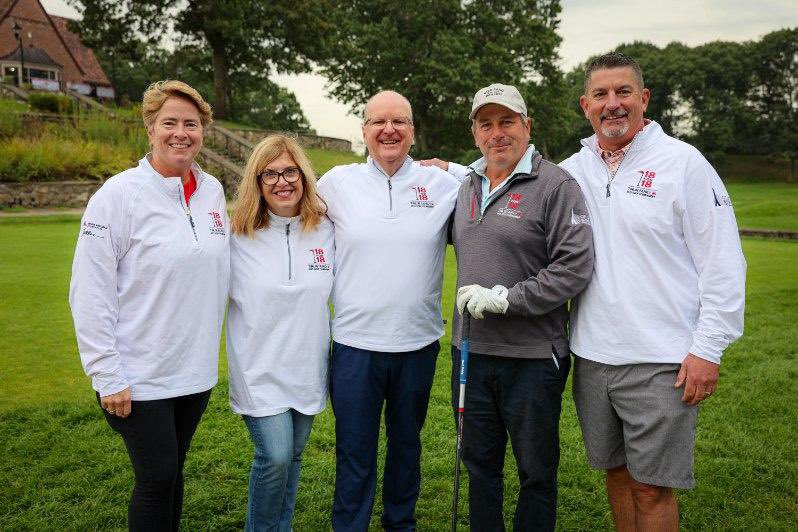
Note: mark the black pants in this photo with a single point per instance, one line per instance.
(157, 435)
(521, 398)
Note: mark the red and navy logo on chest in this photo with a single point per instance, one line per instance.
(422, 198)
(645, 185)
(217, 223)
(512, 209)
(319, 262)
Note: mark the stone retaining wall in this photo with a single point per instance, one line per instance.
(307, 141)
(42, 195)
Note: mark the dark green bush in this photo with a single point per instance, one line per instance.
(52, 103)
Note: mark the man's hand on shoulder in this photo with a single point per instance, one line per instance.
(699, 378)
(443, 165)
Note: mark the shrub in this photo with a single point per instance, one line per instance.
(52, 103)
(50, 158)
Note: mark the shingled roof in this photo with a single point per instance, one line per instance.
(83, 55)
(32, 55)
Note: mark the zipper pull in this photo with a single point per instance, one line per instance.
(608, 190)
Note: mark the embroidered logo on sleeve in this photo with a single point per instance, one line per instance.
(93, 229)
(511, 210)
(645, 185)
(721, 200)
(217, 224)
(577, 219)
(319, 262)
(422, 198)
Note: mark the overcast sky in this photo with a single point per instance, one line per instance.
(587, 27)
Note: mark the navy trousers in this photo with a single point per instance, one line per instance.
(361, 382)
(519, 398)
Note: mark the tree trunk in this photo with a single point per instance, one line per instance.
(219, 83)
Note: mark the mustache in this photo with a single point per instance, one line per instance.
(618, 113)
(498, 143)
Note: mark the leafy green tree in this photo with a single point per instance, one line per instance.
(243, 36)
(438, 53)
(775, 95)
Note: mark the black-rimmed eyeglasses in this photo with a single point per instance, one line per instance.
(271, 177)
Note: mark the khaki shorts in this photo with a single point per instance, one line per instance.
(633, 415)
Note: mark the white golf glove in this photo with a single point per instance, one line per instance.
(479, 299)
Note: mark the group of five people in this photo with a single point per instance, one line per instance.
(636, 230)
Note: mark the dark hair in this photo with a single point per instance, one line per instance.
(613, 60)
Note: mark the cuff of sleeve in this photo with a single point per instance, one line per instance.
(459, 171)
(707, 348)
(109, 384)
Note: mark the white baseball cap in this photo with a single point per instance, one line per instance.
(504, 95)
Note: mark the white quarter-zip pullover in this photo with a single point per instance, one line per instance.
(149, 284)
(669, 269)
(278, 323)
(390, 238)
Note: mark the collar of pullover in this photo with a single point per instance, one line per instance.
(282, 221)
(170, 184)
(374, 165)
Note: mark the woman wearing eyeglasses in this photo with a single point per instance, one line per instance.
(278, 323)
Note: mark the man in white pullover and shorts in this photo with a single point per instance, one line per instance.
(666, 298)
(390, 216)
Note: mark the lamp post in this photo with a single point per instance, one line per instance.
(17, 29)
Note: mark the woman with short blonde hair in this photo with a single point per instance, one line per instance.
(148, 294)
(278, 323)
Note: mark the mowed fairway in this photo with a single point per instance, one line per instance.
(63, 468)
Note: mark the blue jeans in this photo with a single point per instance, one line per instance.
(361, 382)
(279, 441)
(520, 398)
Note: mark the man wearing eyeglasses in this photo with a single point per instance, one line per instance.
(390, 217)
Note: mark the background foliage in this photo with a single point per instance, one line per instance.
(724, 97)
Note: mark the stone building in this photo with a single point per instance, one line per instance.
(53, 57)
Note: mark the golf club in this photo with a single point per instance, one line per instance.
(465, 344)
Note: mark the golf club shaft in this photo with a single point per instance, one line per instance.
(465, 345)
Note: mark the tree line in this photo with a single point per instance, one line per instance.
(724, 97)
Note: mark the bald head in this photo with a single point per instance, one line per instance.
(390, 99)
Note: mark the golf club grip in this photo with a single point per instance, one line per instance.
(465, 347)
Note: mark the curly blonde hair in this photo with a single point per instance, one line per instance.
(250, 212)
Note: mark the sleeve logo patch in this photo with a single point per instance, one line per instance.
(577, 219)
(721, 200)
(93, 229)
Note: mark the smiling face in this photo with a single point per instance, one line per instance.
(614, 102)
(175, 137)
(502, 136)
(282, 198)
(388, 130)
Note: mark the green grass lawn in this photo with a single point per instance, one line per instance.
(63, 468)
(765, 205)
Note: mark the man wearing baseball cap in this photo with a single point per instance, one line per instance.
(524, 246)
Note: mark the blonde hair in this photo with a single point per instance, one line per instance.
(160, 91)
(250, 212)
